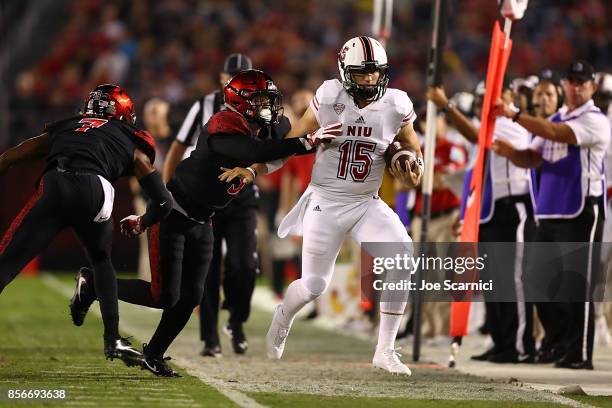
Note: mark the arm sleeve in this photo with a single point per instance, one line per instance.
(537, 144)
(191, 127)
(405, 109)
(161, 199)
(590, 129)
(240, 147)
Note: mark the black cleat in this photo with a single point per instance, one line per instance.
(236, 334)
(157, 365)
(84, 296)
(122, 349)
(212, 350)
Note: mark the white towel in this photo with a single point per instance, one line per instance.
(109, 198)
(292, 223)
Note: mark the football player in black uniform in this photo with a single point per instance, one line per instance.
(84, 156)
(180, 247)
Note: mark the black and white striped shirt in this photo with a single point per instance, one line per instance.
(199, 113)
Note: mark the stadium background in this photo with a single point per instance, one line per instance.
(55, 52)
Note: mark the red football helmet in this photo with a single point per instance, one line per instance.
(253, 94)
(110, 101)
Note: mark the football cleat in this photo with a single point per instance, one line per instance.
(122, 349)
(158, 365)
(277, 336)
(213, 350)
(389, 360)
(236, 333)
(84, 296)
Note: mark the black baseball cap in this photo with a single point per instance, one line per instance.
(548, 75)
(581, 71)
(237, 62)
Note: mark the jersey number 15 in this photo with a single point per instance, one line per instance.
(355, 159)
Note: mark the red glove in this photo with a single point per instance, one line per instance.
(131, 226)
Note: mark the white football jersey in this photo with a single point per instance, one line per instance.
(352, 165)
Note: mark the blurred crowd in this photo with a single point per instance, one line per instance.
(173, 48)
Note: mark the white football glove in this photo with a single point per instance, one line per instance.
(324, 134)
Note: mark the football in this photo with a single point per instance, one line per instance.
(397, 152)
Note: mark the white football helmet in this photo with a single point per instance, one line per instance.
(363, 54)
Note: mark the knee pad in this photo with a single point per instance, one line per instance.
(315, 286)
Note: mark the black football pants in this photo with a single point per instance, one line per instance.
(236, 224)
(180, 251)
(65, 199)
(569, 326)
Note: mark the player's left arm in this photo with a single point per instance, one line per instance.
(160, 203)
(408, 138)
(31, 149)
(557, 132)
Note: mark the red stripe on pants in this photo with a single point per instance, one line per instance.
(8, 236)
(155, 262)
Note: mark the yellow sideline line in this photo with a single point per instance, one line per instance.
(235, 396)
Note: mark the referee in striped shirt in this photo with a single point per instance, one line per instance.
(236, 224)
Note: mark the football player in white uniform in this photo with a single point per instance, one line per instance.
(342, 197)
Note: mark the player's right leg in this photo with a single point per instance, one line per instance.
(323, 236)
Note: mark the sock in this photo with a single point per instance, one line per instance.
(105, 283)
(387, 330)
(296, 297)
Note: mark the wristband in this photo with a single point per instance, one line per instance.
(449, 106)
(307, 144)
(421, 164)
(253, 172)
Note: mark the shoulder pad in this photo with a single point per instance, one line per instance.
(228, 122)
(145, 142)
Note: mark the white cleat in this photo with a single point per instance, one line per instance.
(276, 337)
(389, 360)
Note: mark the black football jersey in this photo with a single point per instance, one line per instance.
(97, 145)
(225, 141)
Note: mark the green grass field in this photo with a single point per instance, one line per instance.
(41, 349)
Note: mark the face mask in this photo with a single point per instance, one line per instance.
(265, 114)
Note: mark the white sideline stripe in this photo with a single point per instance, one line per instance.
(237, 397)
